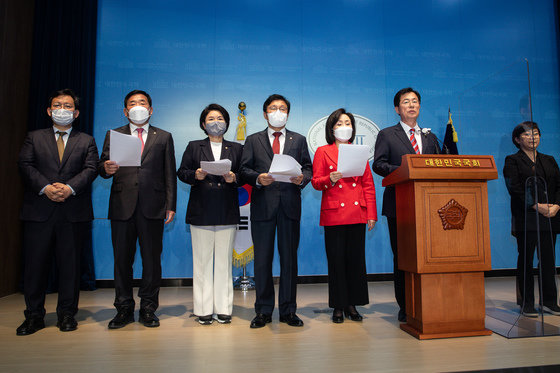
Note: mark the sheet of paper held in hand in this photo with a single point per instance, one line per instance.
(126, 150)
(284, 167)
(352, 159)
(221, 167)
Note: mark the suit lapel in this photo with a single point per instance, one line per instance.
(70, 144)
(206, 150)
(332, 153)
(401, 135)
(225, 150)
(288, 142)
(265, 143)
(152, 134)
(51, 144)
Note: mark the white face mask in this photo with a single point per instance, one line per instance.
(62, 117)
(138, 115)
(343, 133)
(277, 119)
(216, 128)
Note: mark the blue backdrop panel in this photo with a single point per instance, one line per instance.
(354, 54)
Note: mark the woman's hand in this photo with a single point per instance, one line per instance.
(335, 176)
(370, 224)
(199, 174)
(229, 177)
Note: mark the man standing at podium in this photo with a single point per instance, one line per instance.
(406, 137)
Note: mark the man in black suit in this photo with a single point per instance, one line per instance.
(275, 207)
(406, 137)
(58, 165)
(142, 199)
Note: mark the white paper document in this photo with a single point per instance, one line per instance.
(352, 159)
(284, 167)
(221, 167)
(125, 150)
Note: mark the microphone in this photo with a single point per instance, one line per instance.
(426, 132)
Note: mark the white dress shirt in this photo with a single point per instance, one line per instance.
(65, 137)
(216, 150)
(417, 133)
(133, 131)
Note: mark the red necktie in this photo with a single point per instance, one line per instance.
(276, 142)
(413, 141)
(140, 130)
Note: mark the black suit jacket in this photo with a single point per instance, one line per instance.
(153, 185)
(212, 201)
(517, 168)
(40, 165)
(391, 144)
(256, 159)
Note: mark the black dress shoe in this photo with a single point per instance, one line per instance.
(291, 319)
(337, 316)
(260, 320)
(402, 315)
(352, 314)
(148, 318)
(30, 326)
(67, 323)
(529, 311)
(122, 319)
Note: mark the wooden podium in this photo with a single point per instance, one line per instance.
(443, 242)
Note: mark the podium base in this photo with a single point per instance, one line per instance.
(416, 333)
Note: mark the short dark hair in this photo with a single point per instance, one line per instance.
(65, 92)
(275, 97)
(208, 109)
(331, 121)
(137, 92)
(522, 128)
(398, 95)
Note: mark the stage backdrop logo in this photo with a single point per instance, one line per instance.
(366, 134)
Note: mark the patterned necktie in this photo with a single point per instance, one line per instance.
(413, 141)
(139, 131)
(276, 142)
(60, 144)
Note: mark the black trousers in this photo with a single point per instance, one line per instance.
(149, 234)
(346, 255)
(62, 239)
(398, 275)
(525, 278)
(263, 234)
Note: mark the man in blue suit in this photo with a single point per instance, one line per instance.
(406, 137)
(275, 208)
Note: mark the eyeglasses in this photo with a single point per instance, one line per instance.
(58, 105)
(406, 102)
(283, 109)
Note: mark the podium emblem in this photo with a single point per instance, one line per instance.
(453, 215)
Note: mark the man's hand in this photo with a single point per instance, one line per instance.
(335, 176)
(265, 179)
(553, 210)
(110, 167)
(199, 174)
(169, 216)
(64, 190)
(53, 193)
(229, 177)
(370, 224)
(297, 179)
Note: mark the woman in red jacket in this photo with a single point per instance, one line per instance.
(347, 205)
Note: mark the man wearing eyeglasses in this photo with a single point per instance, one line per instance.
(406, 137)
(275, 208)
(58, 165)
